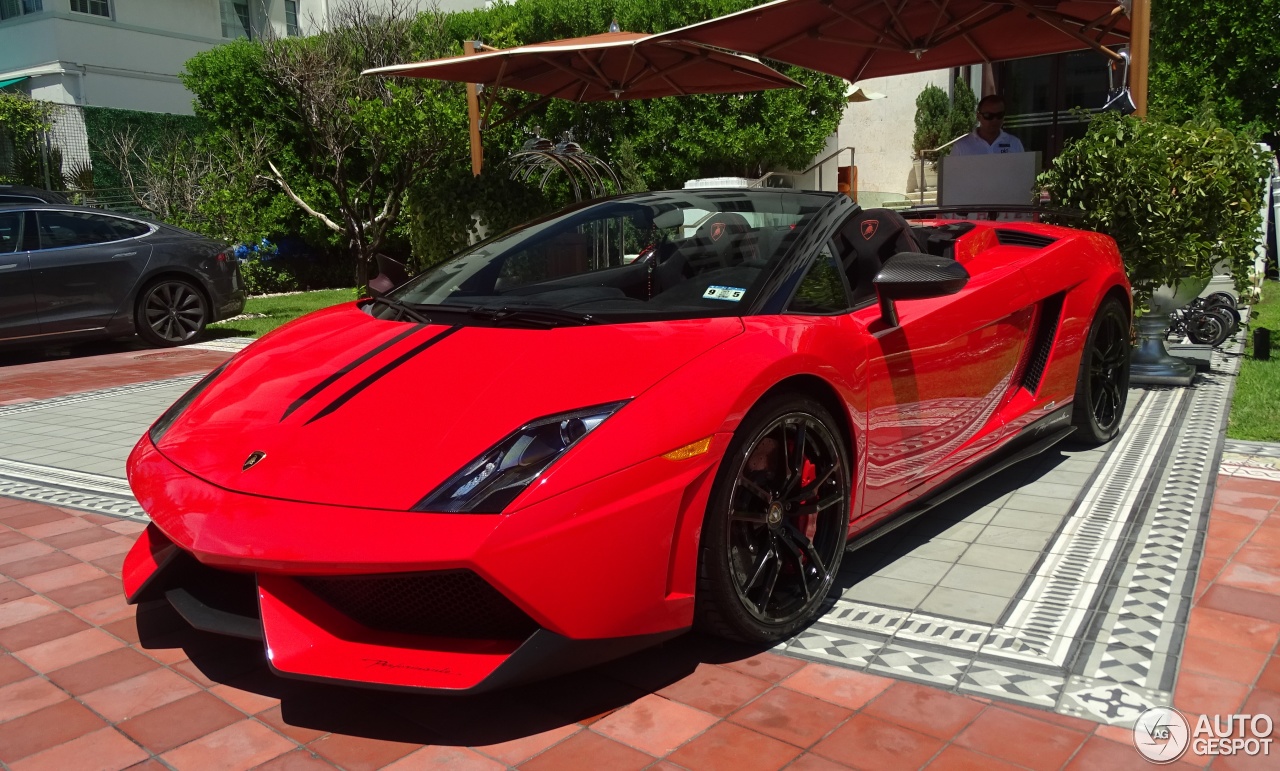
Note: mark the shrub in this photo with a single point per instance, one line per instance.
(1176, 197)
(933, 119)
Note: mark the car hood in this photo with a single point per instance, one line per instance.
(344, 409)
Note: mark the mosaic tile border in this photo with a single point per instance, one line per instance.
(69, 489)
(79, 490)
(1098, 629)
(101, 393)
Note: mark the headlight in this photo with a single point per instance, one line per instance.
(487, 484)
(166, 420)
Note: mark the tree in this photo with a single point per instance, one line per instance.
(1224, 50)
(188, 184)
(964, 110)
(676, 138)
(22, 120)
(933, 119)
(346, 147)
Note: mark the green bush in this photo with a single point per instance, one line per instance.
(153, 129)
(267, 276)
(1176, 197)
(22, 121)
(933, 119)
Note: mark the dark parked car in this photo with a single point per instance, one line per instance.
(22, 194)
(71, 273)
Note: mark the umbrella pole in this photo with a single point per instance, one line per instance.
(473, 114)
(1140, 54)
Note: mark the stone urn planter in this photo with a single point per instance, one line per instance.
(1151, 363)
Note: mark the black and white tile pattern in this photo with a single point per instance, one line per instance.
(1096, 627)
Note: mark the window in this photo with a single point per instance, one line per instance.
(61, 229)
(235, 19)
(10, 231)
(11, 9)
(822, 290)
(94, 7)
(291, 18)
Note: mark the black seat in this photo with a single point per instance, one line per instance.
(869, 239)
(718, 242)
(721, 241)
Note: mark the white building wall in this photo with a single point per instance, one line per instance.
(132, 60)
(881, 130)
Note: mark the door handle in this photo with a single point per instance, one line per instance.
(123, 254)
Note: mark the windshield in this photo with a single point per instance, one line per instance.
(678, 254)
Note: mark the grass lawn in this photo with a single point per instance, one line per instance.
(279, 310)
(1255, 410)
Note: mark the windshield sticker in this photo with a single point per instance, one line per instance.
(731, 293)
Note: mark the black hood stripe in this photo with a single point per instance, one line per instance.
(340, 373)
(363, 384)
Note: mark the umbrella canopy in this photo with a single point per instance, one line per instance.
(613, 65)
(859, 39)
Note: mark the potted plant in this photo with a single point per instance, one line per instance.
(1177, 198)
(933, 121)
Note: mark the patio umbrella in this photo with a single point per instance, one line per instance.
(612, 65)
(859, 39)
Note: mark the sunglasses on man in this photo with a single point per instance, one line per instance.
(992, 115)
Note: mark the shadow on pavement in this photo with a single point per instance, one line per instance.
(451, 720)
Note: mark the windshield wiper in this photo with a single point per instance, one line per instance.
(402, 310)
(544, 317)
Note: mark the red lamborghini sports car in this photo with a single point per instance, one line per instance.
(633, 417)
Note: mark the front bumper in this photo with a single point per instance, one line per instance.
(599, 571)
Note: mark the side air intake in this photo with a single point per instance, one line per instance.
(1042, 344)
(1022, 238)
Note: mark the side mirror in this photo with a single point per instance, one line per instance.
(914, 276)
(391, 274)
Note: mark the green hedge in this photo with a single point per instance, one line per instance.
(102, 122)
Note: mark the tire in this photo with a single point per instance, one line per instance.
(170, 312)
(1229, 315)
(1221, 298)
(776, 523)
(1102, 385)
(1208, 328)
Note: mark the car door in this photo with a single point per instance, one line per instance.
(18, 316)
(86, 267)
(936, 379)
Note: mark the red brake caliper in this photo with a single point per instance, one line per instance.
(807, 523)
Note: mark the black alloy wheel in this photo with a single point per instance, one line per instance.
(1102, 387)
(1207, 328)
(171, 312)
(776, 524)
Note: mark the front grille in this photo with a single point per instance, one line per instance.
(1022, 238)
(447, 603)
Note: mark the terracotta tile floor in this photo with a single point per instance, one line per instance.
(87, 682)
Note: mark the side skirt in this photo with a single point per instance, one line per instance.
(1031, 441)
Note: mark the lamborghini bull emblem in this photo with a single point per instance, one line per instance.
(869, 229)
(253, 459)
(717, 230)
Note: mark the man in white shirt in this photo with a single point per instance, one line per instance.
(989, 137)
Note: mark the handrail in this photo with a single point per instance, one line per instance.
(920, 177)
(817, 165)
